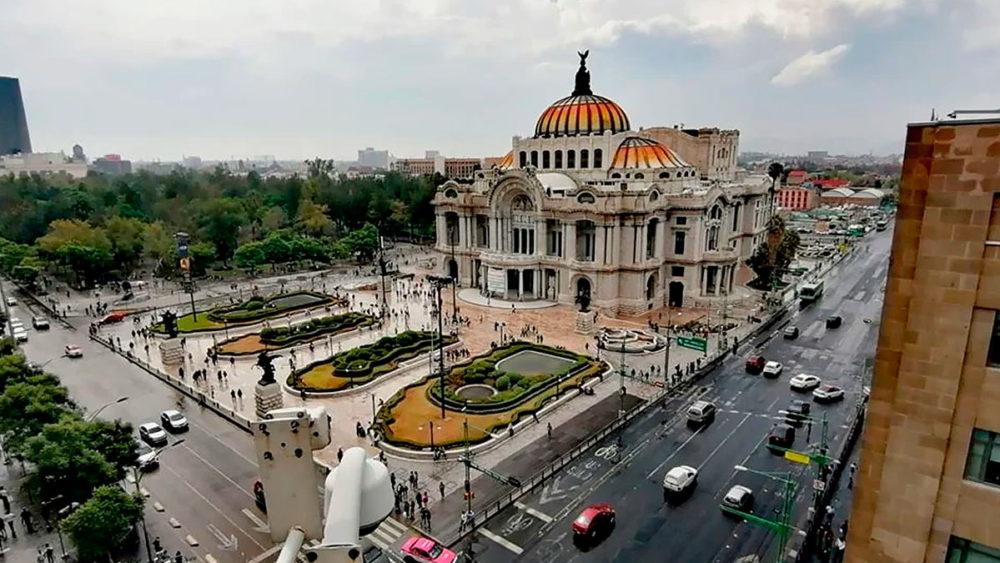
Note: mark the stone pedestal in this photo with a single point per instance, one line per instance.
(171, 352)
(585, 322)
(267, 398)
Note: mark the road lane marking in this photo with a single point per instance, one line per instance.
(671, 456)
(217, 470)
(723, 442)
(536, 513)
(191, 541)
(261, 525)
(511, 546)
(210, 503)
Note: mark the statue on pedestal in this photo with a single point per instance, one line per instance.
(170, 323)
(265, 362)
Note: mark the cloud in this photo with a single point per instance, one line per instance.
(809, 64)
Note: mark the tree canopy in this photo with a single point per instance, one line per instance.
(102, 523)
(771, 259)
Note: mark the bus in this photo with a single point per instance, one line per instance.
(810, 292)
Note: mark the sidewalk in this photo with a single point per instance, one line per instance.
(24, 548)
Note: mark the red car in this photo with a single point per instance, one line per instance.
(112, 318)
(755, 364)
(594, 520)
(424, 550)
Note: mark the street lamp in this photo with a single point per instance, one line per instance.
(438, 282)
(104, 406)
(137, 477)
(782, 526)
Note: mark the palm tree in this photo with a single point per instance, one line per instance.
(774, 170)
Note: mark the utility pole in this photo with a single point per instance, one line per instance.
(184, 256)
(438, 282)
(381, 263)
(454, 280)
(666, 355)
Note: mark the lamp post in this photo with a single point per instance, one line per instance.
(438, 282)
(782, 526)
(666, 354)
(137, 476)
(454, 281)
(100, 409)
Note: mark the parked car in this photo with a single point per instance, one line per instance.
(11, 302)
(173, 421)
(701, 412)
(782, 436)
(20, 334)
(772, 369)
(680, 480)
(595, 520)
(804, 382)
(147, 460)
(40, 323)
(828, 394)
(797, 413)
(112, 318)
(755, 364)
(426, 550)
(153, 434)
(15, 323)
(834, 321)
(738, 498)
(73, 351)
(791, 332)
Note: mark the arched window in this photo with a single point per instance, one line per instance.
(524, 159)
(715, 213)
(534, 158)
(546, 162)
(654, 195)
(558, 159)
(664, 175)
(597, 158)
(450, 193)
(651, 228)
(585, 197)
(616, 175)
(639, 176)
(583, 159)
(571, 158)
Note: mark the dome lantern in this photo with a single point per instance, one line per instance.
(582, 112)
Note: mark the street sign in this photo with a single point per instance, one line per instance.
(797, 457)
(692, 343)
(819, 485)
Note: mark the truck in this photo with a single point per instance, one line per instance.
(810, 292)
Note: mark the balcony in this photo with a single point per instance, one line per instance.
(509, 259)
(724, 254)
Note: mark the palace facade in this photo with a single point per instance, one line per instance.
(588, 207)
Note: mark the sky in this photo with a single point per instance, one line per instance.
(304, 78)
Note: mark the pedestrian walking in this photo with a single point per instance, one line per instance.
(392, 480)
(441, 488)
(5, 500)
(549, 430)
(49, 554)
(340, 454)
(13, 532)
(426, 498)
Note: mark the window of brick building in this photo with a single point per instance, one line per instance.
(983, 463)
(961, 550)
(993, 358)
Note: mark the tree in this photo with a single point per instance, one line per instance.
(115, 441)
(771, 259)
(313, 219)
(202, 254)
(158, 242)
(102, 523)
(250, 256)
(26, 407)
(274, 219)
(220, 220)
(363, 243)
(320, 167)
(85, 250)
(67, 466)
(126, 237)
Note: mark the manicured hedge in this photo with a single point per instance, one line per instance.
(283, 336)
(257, 308)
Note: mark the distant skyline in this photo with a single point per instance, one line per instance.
(324, 78)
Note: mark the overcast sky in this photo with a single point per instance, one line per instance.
(301, 78)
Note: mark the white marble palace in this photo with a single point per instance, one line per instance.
(587, 206)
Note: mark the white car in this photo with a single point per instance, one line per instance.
(173, 421)
(772, 369)
(73, 351)
(804, 382)
(11, 302)
(680, 479)
(828, 394)
(20, 334)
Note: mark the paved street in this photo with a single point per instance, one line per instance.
(204, 483)
(538, 528)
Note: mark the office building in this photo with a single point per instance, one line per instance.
(928, 488)
(112, 165)
(371, 158)
(42, 163)
(13, 122)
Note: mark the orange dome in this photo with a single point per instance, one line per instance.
(637, 152)
(507, 162)
(581, 115)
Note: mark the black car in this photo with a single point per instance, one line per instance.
(797, 413)
(834, 321)
(781, 436)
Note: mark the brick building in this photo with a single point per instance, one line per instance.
(928, 489)
(798, 198)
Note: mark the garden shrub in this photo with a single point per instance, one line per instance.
(502, 383)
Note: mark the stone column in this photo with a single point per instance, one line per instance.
(599, 255)
(442, 230)
(520, 284)
(616, 243)
(570, 241)
(661, 238)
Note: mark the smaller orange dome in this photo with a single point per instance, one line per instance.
(637, 152)
(507, 162)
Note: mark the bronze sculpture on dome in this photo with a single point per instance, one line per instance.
(582, 87)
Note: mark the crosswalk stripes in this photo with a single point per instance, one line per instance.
(388, 533)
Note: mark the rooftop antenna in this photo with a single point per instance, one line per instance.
(933, 115)
(955, 113)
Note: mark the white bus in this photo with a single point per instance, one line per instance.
(810, 292)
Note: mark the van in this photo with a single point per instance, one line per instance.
(701, 412)
(781, 436)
